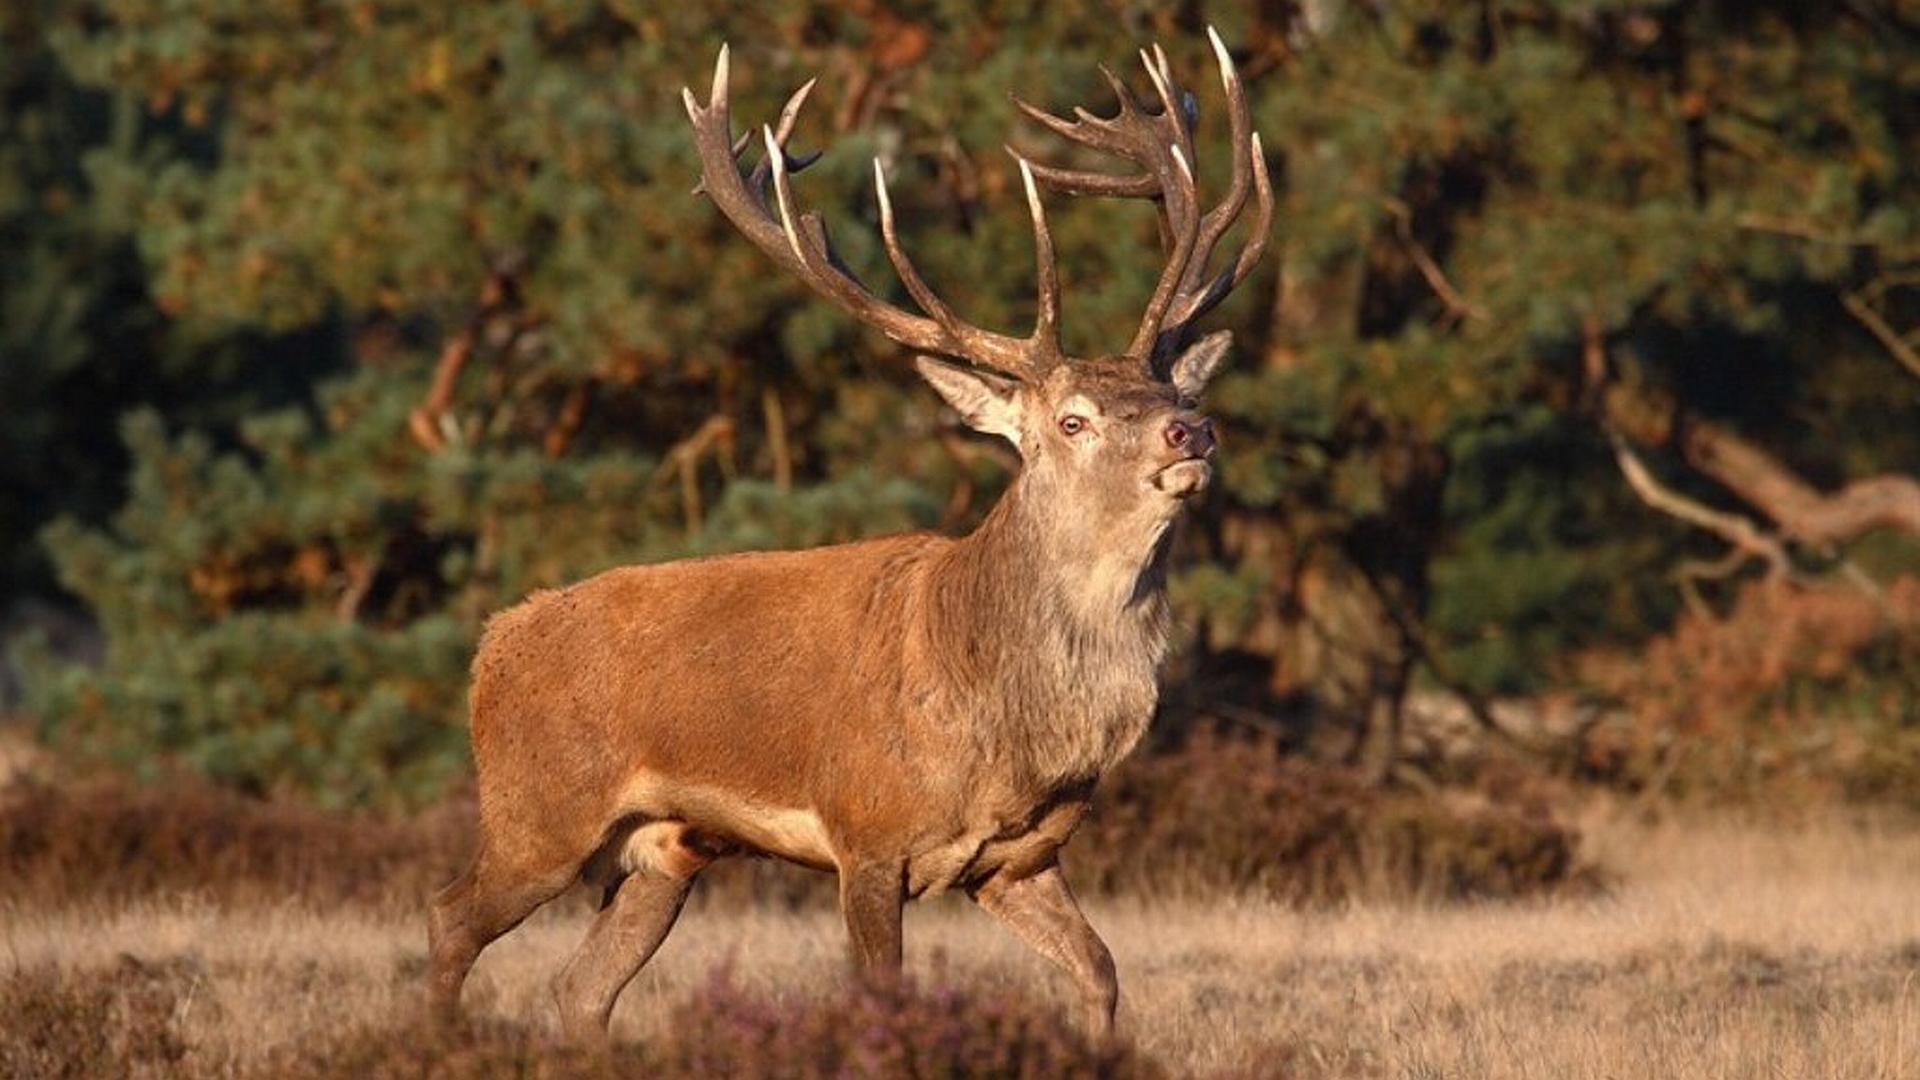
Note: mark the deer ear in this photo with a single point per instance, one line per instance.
(988, 403)
(1193, 368)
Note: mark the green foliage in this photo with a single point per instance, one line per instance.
(428, 319)
(284, 617)
(1533, 570)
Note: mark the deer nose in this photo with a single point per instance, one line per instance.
(1192, 434)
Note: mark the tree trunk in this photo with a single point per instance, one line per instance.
(1336, 628)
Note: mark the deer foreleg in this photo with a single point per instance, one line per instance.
(1041, 911)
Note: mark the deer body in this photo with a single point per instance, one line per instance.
(913, 713)
(854, 702)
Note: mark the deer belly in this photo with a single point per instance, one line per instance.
(792, 833)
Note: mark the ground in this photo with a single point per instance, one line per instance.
(1718, 950)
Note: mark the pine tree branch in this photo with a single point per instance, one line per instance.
(714, 437)
(432, 422)
(573, 416)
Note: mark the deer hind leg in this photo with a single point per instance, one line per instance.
(659, 861)
(634, 921)
(871, 895)
(490, 898)
(1041, 911)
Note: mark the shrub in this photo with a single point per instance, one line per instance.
(1226, 812)
(57, 1024)
(1215, 814)
(897, 1030)
(857, 1033)
(109, 839)
(1797, 693)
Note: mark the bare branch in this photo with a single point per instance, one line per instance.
(1458, 306)
(1822, 520)
(1748, 540)
(1891, 339)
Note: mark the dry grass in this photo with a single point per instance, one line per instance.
(1725, 950)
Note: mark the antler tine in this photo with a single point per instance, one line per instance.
(1196, 301)
(1046, 328)
(917, 287)
(782, 130)
(1118, 135)
(1178, 198)
(1046, 322)
(1249, 176)
(1158, 138)
(799, 242)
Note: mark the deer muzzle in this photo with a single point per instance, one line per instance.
(1191, 437)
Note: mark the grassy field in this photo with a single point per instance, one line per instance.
(1720, 950)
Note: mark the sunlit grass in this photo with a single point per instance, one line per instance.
(1724, 950)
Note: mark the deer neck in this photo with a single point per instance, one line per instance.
(1064, 568)
(1052, 637)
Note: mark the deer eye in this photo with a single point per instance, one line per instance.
(1071, 425)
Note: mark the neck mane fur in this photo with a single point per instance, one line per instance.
(1052, 637)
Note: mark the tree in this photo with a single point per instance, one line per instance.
(82, 337)
(1475, 192)
(552, 358)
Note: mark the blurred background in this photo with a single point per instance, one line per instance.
(1574, 421)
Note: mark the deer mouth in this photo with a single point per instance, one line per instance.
(1183, 479)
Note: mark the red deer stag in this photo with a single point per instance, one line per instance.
(916, 712)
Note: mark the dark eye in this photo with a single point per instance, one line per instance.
(1071, 425)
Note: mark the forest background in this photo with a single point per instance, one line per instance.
(1564, 559)
(1577, 398)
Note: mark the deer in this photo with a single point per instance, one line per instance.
(914, 713)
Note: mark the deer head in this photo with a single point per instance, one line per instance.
(1116, 437)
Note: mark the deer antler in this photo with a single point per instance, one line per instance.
(798, 241)
(1158, 137)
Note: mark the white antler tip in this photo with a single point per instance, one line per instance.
(782, 196)
(1161, 74)
(1033, 188)
(1228, 74)
(880, 192)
